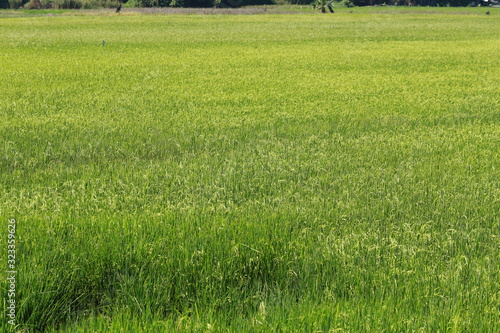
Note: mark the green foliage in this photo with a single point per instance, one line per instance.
(323, 5)
(84, 4)
(144, 3)
(34, 4)
(433, 3)
(193, 3)
(440, 3)
(67, 4)
(346, 3)
(170, 3)
(253, 173)
(15, 4)
(91, 4)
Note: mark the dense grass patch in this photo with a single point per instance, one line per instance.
(253, 173)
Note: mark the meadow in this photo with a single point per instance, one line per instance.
(252, 173)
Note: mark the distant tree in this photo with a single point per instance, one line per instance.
(323, 5)
(15, 4)
(4, 4)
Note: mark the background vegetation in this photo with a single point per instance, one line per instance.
(253, 173)
(88, 4)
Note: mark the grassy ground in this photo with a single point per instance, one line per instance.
(253, 173)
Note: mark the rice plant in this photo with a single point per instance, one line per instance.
(252, 173)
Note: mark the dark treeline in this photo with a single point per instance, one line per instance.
(87, 4)
(432, 3)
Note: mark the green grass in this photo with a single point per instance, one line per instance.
(253, 173)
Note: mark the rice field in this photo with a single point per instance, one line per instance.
(214, 172)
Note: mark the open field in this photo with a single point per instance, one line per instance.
(252, 173)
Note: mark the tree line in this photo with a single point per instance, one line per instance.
(89, 4)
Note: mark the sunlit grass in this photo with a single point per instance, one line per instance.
(253, 172)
